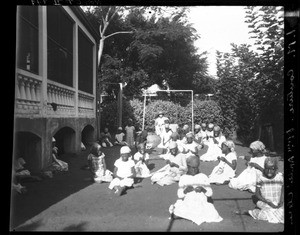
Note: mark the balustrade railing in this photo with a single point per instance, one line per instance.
(61, 96)
(85, 103)
(28, 93)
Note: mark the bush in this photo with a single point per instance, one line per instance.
(204, 111)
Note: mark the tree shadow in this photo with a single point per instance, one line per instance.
(75, 227)
(151, 166)
(29, 227)
(43, 194)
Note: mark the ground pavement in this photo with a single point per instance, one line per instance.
(70, 202)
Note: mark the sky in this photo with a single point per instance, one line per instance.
(218, 26)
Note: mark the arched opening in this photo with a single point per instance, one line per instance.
(65, 140)
(29, 147)
(87, 135)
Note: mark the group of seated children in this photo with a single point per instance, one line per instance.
(190, 143)
(120, 138)
(260, 177)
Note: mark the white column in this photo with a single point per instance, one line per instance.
(75, 66)
(42, 12)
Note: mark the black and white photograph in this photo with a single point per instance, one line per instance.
(163, 118)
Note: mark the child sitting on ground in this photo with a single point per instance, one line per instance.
(226, 168)
(193, 191)
(269, 194)
(255, 166)
(124, 172)
(214, 148)
(119, 137)
(141, 159)
(190, 147)
(97, 165)
(105, 138)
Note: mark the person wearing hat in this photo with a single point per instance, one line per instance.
(124, 172)
(226, 168)
(214, 148)
(255, 166)
(119, 137)
(174, 168)
(159, 123)
(193, 191)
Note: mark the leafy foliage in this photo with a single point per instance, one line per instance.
(250, 86)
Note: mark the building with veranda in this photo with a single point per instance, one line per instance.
(55, 82)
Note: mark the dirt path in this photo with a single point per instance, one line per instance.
(68, 202)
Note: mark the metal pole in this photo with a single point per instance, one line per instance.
(193, 111)
(144, 111)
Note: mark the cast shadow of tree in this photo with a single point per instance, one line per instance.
(75, 227)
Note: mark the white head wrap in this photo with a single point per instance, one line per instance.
(125, 149)
(257, 145)
(210, 125)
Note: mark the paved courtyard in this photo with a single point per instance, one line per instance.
(70, 202)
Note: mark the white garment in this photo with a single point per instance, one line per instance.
(247, 179)
(193, 205)
(168, 175)
(141, 168)
(191, 148)
(174, 127)
(130, 135)
(124, 171)
(223, 172)
(214, 150)
(159, 125)
(165, 138)
(97, 167)
(120, 137)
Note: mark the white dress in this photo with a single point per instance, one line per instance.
(214, 150)
(223, 172)
(168, 175)
(159, 125)
(165, 139)
(98, 168)
(141, 168)
(247, 179)
(124, 171)
(130, 135)
(191, 148)
(193, 205)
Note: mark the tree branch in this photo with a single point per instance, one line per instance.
(118, 33)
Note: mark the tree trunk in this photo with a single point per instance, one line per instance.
(98, 92)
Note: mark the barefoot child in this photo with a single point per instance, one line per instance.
(97, 165)
(226, 168)
(124, 172)
(269, 193)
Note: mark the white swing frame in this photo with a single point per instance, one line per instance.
(145, 96)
